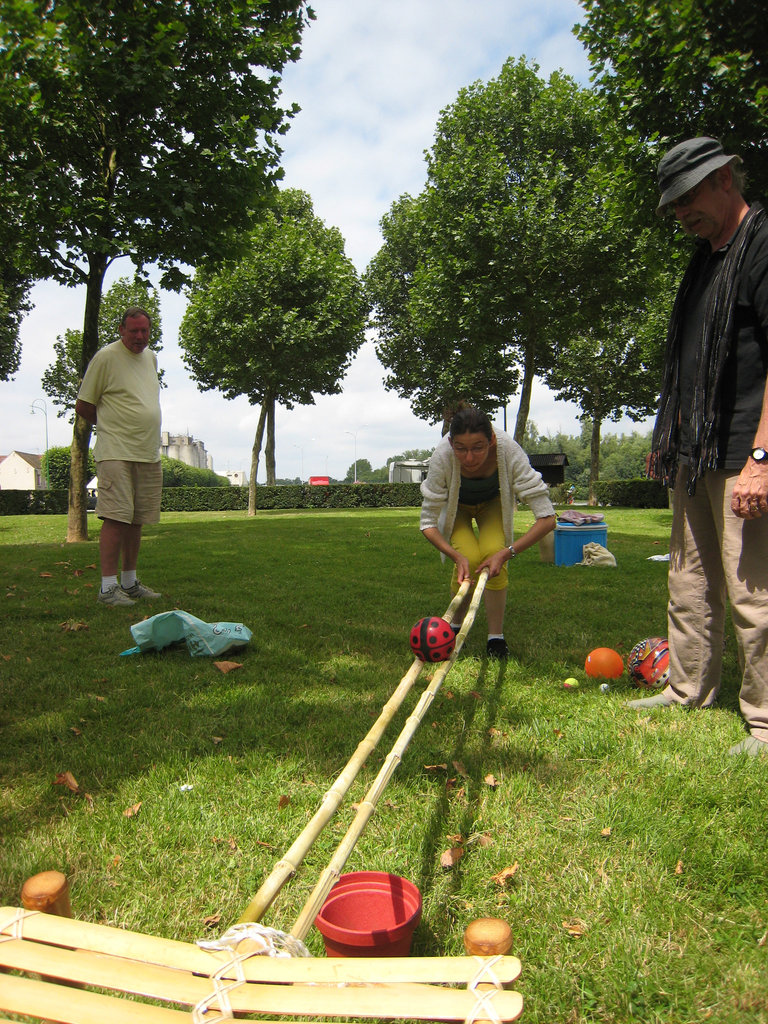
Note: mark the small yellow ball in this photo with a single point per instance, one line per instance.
(571, 683)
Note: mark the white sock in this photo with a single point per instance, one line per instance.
(495, 636)
(107, 582)
(127, 578)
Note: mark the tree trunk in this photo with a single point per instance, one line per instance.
(255, 453)
(594, 460)
(269, 451)
(77, 512)
(526, 389)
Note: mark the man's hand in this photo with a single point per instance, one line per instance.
(750, 493)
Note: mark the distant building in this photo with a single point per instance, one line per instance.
(551, 466)
(238, 478)
(408, 471)
(21, 471)
(185, 449)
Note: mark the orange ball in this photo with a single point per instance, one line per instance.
(604, 663)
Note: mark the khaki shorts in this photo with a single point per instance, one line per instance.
(129, 492)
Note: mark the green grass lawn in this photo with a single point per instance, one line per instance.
(640, 882)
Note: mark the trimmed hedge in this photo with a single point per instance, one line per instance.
(210, 499)
(224, 499)
(638, 493)
(622, 493)
(34, 503)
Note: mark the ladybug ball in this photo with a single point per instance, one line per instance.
(432, 639)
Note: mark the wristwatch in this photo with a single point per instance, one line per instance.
(759, 454)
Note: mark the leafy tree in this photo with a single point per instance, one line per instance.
(509, 252)
(676, 70)
(61, 381)
(14, 292)
(614, 368)
(56, 462)
(359, 471)
(140, 130)
(280, 323)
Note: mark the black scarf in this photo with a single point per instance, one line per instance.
(716, 339)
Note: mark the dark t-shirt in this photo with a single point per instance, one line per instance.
(476, 490)
(745, 372)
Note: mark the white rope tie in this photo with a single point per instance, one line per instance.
(14, 924)
(484, 1008)
(270, 941)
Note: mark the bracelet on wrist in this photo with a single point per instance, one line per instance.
(512, 551)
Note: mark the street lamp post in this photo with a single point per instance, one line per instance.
(353, 433)
(43, 408)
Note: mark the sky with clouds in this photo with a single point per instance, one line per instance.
(371, 82)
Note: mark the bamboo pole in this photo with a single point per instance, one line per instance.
(43, 931)
(287, 866)
(331, 873)
(126, 977)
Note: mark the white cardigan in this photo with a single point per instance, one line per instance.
(517, 480)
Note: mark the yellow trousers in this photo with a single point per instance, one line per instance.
(477, 545)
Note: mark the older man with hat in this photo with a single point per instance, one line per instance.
(710, 441)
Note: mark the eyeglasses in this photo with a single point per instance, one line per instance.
(686, 198)
(476, 449)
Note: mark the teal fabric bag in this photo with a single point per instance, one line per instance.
(203, 639)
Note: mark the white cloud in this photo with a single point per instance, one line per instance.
(371, 83)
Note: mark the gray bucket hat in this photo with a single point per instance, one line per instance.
(685, 165)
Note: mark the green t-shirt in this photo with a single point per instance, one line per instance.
(125, 389)
(476, 491)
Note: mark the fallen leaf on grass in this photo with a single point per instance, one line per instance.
(435, 767)
(131, 812)
(449, 858)
(458, 838)
(679, 868)
(605, 832)
(217, 739)
(212, 921)
(7, 657)
(46, 575)
(492, 781)
(227, 666)
(460, 769)
(73, 627)
(505, 875)
(484, 840)
(67, 779)
(575, 928)
(283, 802)
(475, 694)
(75, 730)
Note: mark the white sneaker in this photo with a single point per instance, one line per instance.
(114, 595)
(138, 590)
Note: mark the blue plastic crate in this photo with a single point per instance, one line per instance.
(570, 541)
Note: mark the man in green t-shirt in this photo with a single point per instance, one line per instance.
(120, 397)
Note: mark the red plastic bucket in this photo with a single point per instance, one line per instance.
(370, 913)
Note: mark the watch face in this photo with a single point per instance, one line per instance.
(759, 454)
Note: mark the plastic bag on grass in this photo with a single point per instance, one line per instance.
(206, 639)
